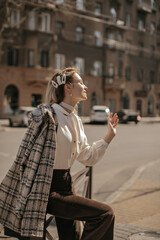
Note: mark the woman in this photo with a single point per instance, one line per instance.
(41, 173)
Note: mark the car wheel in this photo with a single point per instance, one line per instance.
(22, 124)
(10, 123)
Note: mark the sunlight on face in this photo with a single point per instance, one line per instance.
(79, 90)
(77, 78)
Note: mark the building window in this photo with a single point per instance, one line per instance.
(119, 37)
(152, 51)
(11, 99)
(59, 61)
(113, 15)
(97, 66)
(141, 23)
(59, 1)
(80, 64)
(79, 34)
(152, 28)
(128, 46)
(120, 69)
(152, 77)
(59, 28)
(14, 18)
(126, 101)
(153, 4)
(94, 99)
(31, 21)
(30, 58)
(98, 38)
(140, 75)
(140, 1)
(44, 59)
(80, 4)
(13, 56)
(140, 47)
(111, 70)
(150, 105)
(98, 9)
(128, 20)
(119, 41)
(112, 104)
(36, 100)
(111, 40)
(44, 22)
(139, 106)
(128, 73)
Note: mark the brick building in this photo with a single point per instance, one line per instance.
(115, 44)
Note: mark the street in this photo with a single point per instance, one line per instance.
(127, 177)
(133, 147)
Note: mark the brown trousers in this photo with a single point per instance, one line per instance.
(67, 208)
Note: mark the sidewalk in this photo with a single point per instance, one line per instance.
(86, 119)
(137, 209)
(4, 123)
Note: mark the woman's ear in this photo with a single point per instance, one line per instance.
(68, 88)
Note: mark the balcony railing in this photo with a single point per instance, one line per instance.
(144, 7)
(32, 75)
(117, 83)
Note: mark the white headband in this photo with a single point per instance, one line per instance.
(61, 79)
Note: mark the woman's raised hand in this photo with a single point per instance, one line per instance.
(112, 122)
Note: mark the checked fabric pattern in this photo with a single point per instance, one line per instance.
(25, 189)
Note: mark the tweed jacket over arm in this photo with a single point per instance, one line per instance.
(25, 190)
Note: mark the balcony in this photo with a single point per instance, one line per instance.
(46, 3)
(119, 24)
(114, 83)
(140, 93)
(144, 7)
(36, 75)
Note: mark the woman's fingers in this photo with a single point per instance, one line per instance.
(114, 120)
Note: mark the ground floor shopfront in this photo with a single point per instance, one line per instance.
(27, 86)
(132, 95)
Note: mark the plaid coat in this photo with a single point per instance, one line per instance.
(25, 189)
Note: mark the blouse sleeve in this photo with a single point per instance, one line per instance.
(89, 155)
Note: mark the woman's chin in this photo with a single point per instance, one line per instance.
(85, 98)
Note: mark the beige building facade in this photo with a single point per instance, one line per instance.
(115, 45)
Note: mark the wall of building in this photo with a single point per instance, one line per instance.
(103, 88)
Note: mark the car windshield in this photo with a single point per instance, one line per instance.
(99, 110)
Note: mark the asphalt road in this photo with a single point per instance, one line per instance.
(133, 147)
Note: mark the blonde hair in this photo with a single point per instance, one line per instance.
(56, 95)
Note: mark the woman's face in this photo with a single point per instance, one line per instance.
(79, 90)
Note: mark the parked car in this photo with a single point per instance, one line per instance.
(128, 115)
(20, 116)
(99, 113)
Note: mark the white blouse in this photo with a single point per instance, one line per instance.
(71, 141)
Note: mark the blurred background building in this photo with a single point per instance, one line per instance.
(114, 43)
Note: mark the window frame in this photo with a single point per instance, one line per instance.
(80, 65)
(59, 61)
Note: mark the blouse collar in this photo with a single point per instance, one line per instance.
(61, 109)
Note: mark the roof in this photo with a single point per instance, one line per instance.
(101, 107)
